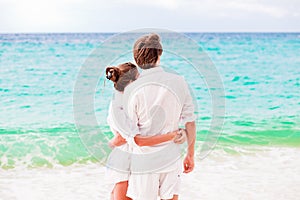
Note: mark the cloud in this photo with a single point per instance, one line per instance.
(276, 9)
(166, 4)
(119, 15)
(259, 7)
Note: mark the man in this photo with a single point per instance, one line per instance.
(157, 102)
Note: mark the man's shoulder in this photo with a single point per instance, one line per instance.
(173, 75)
(133, 88)
(163, 77)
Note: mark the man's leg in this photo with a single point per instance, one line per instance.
(170, 184)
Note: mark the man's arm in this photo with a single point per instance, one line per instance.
(188, 119)
(188, 162)
(118, 140)
(154, 140)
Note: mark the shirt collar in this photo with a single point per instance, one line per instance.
(146, 72)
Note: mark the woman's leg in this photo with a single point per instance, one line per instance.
(175, 197)
(120, 191)
(112, 195)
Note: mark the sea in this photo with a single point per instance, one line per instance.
(259, 72)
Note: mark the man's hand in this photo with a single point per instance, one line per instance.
(180, 137)
(188, 164)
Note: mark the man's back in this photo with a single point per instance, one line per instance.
(157, 101)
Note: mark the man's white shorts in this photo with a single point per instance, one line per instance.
(150, 186)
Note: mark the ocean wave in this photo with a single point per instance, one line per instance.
(62, 145)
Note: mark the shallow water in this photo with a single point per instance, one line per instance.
(260, 73)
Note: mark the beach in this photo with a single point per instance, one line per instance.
(272, 173)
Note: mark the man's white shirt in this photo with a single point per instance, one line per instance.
(157, 102)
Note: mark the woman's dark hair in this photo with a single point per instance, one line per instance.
(122, 75)
(146, 50)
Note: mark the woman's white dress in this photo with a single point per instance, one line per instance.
(118, 164)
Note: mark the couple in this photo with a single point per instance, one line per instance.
(144, 116)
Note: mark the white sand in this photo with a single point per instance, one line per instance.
(270, 174)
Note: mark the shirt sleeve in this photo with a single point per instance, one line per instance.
(109, 119)
(188, 109)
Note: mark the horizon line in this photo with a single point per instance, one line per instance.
(116, 32)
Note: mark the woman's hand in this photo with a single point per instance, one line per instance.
(111, 144)
(180, 136)
(118, 140)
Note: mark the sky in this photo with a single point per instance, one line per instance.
(177, 15)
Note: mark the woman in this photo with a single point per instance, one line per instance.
(122, 127)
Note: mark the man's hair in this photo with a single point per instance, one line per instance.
(122, 75)
(146, 50)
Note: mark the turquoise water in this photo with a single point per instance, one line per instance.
(260, 73)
